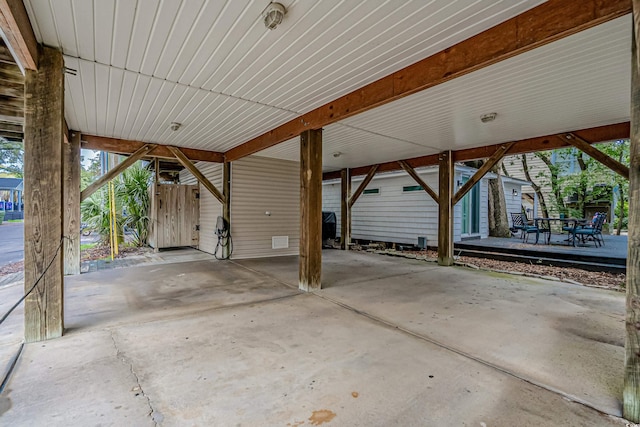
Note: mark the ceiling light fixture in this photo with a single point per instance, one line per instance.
(273, 15)
(337, 154)
(486, 118)
(175, 126)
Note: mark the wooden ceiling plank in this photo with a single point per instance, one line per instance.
(596, 154)
(18, 34)
(124, 146)
(543, 24)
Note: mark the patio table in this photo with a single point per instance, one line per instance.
(544, 225)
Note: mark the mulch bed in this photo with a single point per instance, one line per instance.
(91, 254)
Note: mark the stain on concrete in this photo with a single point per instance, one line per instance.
(5, 404)
(322, 416)
(355, 394)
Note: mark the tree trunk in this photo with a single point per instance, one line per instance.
(536, 187)
(498, 222)
(555, 185)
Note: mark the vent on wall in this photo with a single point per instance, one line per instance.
(279, 242)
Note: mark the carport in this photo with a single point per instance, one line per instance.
(337, 89)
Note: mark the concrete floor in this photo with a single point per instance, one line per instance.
(388, 342)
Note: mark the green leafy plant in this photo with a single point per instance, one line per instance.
(132, 189)
(95, 213)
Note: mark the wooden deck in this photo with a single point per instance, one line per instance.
(610, 257)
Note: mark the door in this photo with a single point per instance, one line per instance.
(471, 210)
(178, 215)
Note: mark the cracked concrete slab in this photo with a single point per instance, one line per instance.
(234, 343)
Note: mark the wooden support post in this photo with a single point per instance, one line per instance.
(363, 185)
(71, 186)
(596, 154)
(43, 175)
(117, 170)
(345, 209)
(445, 209)
(310, 210)
(156, 166)
(226, 206)
(486, 167)
(184, 161)
(631, 391)
(408, 169)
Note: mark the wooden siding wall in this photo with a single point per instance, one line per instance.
(260, 185)
(210, 207)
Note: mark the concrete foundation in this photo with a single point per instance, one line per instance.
(387, 342)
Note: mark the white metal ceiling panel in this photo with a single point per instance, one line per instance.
(577, 82)
(246, 78)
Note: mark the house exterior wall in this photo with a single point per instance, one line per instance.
(210, 207)
(399, 216)
(513, 202)
(260, 185)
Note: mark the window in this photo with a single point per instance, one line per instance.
(408, 188)
(371, 191)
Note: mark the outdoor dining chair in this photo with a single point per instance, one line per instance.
(521, 223)
(592, 231)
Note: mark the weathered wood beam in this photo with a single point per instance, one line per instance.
(184, 161)
(310, 268)
(345, 209)
(596, 154)
(363, 185)
(631, 389)
(125, 146)
(18, 34)
(530, 145)
(482, 171)
(543, 24)
(71, 188)
(408, 169)
(445, 209)
(43, 198)
(117, 170)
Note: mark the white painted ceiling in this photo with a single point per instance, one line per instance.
(577, 82)
(213, 66)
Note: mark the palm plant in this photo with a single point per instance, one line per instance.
(95, 213)
(132, 189)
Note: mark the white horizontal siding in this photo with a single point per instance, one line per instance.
(397, 216)
(331, 202)
(210, 207)
(260, 185)
(514, 202)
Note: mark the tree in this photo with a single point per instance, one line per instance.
(132, 188)
(11, 155)
(535, 186)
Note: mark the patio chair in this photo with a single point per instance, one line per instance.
(544, 227)
(517, 224)
(520, 223)
(593, 231)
